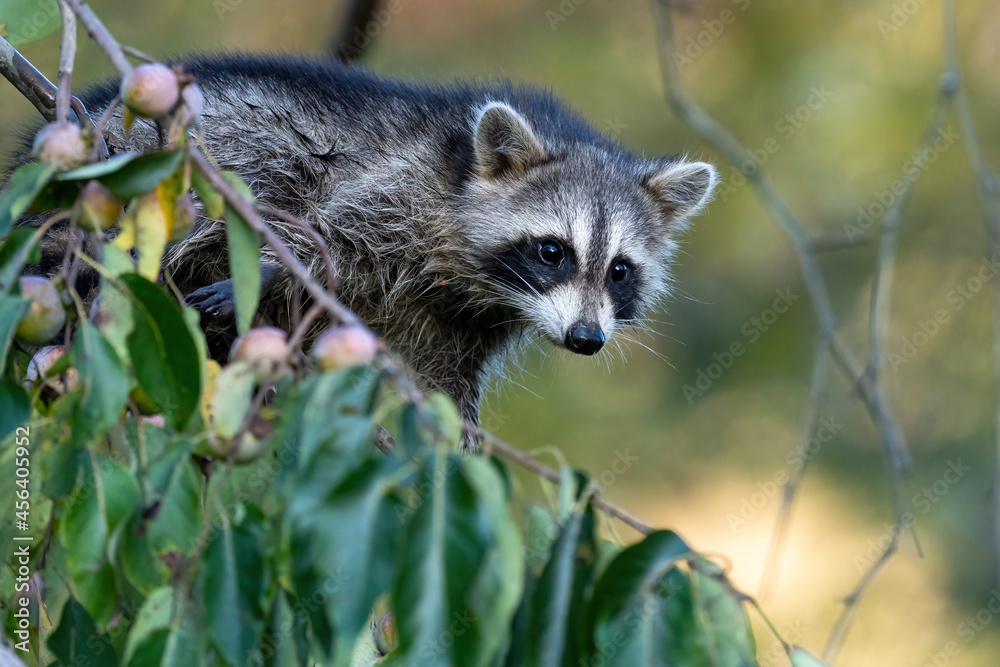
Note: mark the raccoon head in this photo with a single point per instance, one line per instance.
(576, 236)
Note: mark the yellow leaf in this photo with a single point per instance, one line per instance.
(212, 370)
(126, 238)
(151, 234)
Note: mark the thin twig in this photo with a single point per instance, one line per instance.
(29, 81)
(321, 246)
(492, 443)
(772, 564)
(287, 257)
(731, 149)
(67, 54)
(893, 443)
(851, 602)
(346, 43)
(99, 33)
(989, 193)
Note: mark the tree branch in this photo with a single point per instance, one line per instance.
(29, 81)
(345, 44)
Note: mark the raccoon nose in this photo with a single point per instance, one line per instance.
(584, 338)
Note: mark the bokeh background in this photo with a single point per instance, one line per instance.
(858, 78)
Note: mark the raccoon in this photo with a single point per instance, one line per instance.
(462, 220)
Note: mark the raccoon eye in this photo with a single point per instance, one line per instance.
(550, 252)
(619, 272)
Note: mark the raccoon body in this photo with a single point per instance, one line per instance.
(462, 220)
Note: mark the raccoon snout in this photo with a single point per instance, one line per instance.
(584, 338)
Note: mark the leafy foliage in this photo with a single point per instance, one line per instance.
(254, 522)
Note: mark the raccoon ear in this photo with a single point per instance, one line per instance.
(504, 143)
(681, 188)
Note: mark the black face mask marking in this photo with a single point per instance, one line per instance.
(533, 265)
(623, 285)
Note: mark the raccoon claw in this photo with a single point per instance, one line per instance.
(215, 301)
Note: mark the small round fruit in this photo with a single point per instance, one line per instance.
(341, 347)
(248, 451)
(150, 90)
(386, 639)
(60, 145)
(46, 316)
(156, 420)
(265, 350)
(42, 363)
(98, 209)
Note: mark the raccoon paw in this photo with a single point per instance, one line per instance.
(215, 301)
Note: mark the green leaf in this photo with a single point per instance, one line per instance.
(107, 494)
(143, 569)
(61, 454)
(115, 320)
(177, 517)
(212, 201)
(328, 428)
(153, 616)
(142, 173)
(555, 620)
(168, 632)
(97, 169)
(286, 636)
(233, 398)
(346, 547)
(724, 626)
(163, 352)
(102, 376)
(233, 579)
(12, 309)
(646, 610)
(26, 21)
(77, 642)
(459, 568)
(635, 572)
(244, 261)
(14, 407)
(24, 186)
(14, 254)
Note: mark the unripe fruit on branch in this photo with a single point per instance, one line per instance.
(150, 90)
(386, 639)
(248, 451)
(42, 363)
(60, 145)
(98, 209)
(46, 316)
(341, 347)
(266, 350)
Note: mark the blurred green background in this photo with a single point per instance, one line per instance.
(705, 464)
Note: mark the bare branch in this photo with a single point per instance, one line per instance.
(492, 443)
(29, 81)
(67, 54)
(346, 44)
(851, 602)
(99, 33)
(772, 565)
(989, 193)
